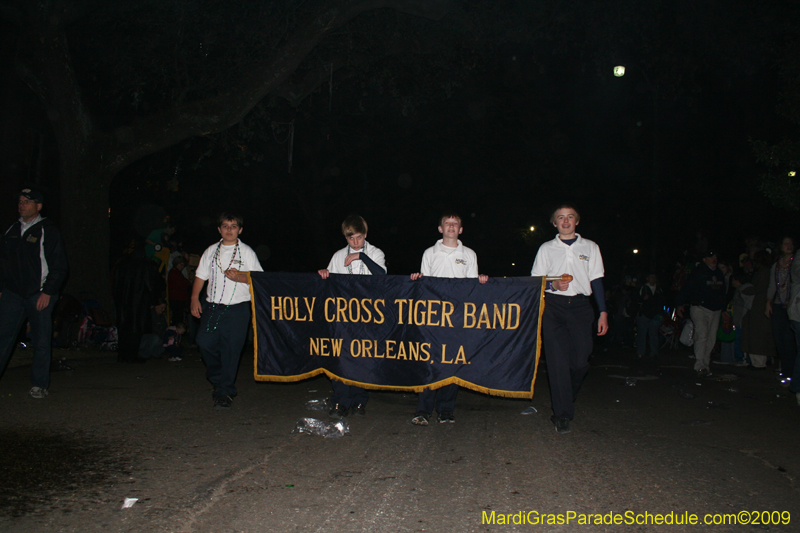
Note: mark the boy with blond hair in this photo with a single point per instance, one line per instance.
(359, 258)
(568, 313)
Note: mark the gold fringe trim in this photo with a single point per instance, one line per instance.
(416, 388)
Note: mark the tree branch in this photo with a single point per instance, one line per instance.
(215, 114)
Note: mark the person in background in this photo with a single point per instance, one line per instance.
(651, 308)
(179, 289)
(33, 267)
(778, 293)
(705, 293)
(172, 341)
(740, 305)
(757, 339)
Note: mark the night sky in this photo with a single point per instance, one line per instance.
(499, 111)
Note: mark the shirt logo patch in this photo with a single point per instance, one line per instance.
(583, 257)
(32, 238)
(461, 262)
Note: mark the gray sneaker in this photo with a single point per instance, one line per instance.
(421, 418)
(38, 393)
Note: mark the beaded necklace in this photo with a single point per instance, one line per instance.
(782, 282)
(215, 284)
(361, 267)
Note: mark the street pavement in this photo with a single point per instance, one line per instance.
(665, 445)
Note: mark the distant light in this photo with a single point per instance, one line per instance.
(513, 264)
(533, 228)
(635, 251)
(792, 174)
(619, 71)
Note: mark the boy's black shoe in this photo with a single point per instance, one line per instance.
(359, 410)
(223, 402)
(446, 417)
(338, 411)
(421, 418)
(562, 425)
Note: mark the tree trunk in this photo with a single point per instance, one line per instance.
(85, 227)
(90, 158)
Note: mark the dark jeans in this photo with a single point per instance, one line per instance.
(347, 395)
(443, 399)
(222, 334)
(647, 328)
(14, 309)
(738, 354)
(784, 339)
(795, 387)
(567, 329)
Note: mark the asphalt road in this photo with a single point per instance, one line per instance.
(669, 446)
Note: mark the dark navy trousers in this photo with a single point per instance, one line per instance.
(567, 329)
(443, 399)
(221, 337)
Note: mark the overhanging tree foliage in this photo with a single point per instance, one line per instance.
(182, 80)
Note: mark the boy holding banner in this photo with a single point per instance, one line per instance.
(448, 258)
(568, 314)
(360, 258)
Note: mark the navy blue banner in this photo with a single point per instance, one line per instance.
(391, 333)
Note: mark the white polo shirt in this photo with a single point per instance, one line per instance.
(441, 261)
(336, 266)
(582, 260)
(220, 289)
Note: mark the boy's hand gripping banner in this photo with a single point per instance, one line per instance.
(391, 333)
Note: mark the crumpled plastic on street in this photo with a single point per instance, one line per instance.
(321, 404)
(314, 426)
(129, 502)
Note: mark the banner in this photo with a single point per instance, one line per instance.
(391, 333)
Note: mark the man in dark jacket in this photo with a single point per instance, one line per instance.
(33, 266)
(705, 293)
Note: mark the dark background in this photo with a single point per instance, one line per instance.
(500, 110)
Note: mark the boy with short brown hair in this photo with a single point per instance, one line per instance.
(226, 313)
(448, 258)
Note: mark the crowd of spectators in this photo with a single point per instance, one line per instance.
(744, 309)
(152, 285)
